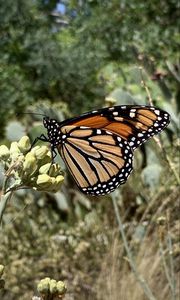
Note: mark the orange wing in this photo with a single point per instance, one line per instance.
(135, 124)
(98, 160)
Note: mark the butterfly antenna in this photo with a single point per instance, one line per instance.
(29, 113)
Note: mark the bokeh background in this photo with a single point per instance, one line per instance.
(63, 58)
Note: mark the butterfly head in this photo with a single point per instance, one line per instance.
(46, 122)
(53, 131)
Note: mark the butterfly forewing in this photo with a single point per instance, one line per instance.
(136, 124)
(98, 163)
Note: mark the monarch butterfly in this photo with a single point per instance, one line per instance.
(98, 146)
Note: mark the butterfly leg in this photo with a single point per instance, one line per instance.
(42, 137)
(53, 154)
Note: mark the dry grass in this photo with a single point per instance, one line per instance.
(118, 282)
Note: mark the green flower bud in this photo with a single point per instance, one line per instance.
(4, 152)
(54, 170)
(14, 150)
(56, 183)
(24, 144)
(61, 288)
(34, 149)
(43, 285)
(47, 158)
(45, 169)
(53, 286)
(44, 181)
(1, 270)
(41, 152)
(51, 184)
(30, 164)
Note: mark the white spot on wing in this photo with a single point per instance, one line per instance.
(156, 124)
(132, 114)
(157, 112)
(84, 127)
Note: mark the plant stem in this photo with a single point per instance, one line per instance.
(146, 88)
(139, 278)
(3, 203)
(166, 156)
(165, 266)
(171, 262)
(4, 198)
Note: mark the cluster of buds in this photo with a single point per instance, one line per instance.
(51, 289)
(30, 168)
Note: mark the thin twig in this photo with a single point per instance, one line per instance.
(170, 163)
(3, 203)
(146, 87)
(166, 268)
(157, 140)
(5, 197)
(4, 185)
(139, 278)
(171, 263)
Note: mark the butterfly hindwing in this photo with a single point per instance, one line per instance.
(98, 160)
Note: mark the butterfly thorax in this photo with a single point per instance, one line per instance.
(53, 131)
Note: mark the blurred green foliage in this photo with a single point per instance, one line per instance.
(64, 64)
(42, 58)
